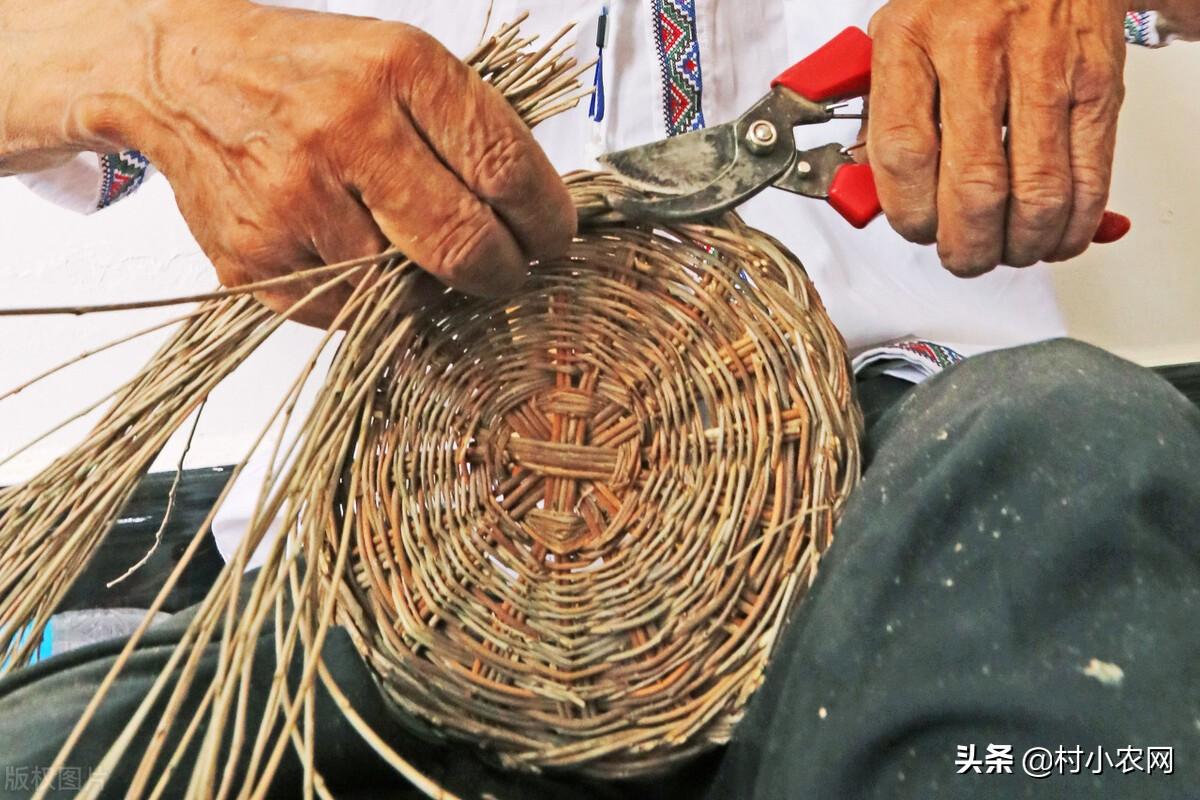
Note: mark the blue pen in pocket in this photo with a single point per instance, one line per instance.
(596, 108)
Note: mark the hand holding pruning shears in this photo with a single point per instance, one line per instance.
(998, 147)
(993, 124)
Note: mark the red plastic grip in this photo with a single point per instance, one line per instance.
(853, 194)
(838, 71)
(1113, 227)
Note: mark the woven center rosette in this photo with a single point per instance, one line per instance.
(585, 511)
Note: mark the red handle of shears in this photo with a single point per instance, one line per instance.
(841, 70)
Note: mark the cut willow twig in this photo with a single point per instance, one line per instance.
(194, 638)
(341, 270)
(566, 526)
(41, 376)
(166, 518)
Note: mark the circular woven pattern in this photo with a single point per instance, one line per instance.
(586, 511)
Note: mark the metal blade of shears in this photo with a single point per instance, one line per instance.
(708, 172)
(681, 165)
(698, 174)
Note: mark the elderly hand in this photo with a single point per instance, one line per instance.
(949, 75)
(295, 139)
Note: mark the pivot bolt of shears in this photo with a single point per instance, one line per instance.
(762, 137)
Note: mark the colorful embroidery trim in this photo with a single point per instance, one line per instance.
(911, 359)
(121, 175)
(1141, 28)
(679, 58)
(939, 355)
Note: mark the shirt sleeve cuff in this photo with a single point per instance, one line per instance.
(91, 181)
(1142, 28)
(912, 360)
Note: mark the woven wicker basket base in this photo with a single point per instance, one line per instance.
(586, 511)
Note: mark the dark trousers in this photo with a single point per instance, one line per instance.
(1018, 572)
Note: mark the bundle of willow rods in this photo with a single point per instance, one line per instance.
(566, 526)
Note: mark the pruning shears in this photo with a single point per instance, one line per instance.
(710, 171)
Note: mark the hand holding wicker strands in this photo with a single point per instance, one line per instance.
(566, 526)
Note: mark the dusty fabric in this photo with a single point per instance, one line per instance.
(1020, 567)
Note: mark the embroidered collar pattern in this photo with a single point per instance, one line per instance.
(679, 59)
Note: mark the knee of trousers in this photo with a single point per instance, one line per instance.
(1060, 408)
(1063, 391)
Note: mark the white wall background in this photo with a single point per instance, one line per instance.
(1139, 298)
(138, 249)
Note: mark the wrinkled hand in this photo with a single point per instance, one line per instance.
(948, 75)
(295, 139)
